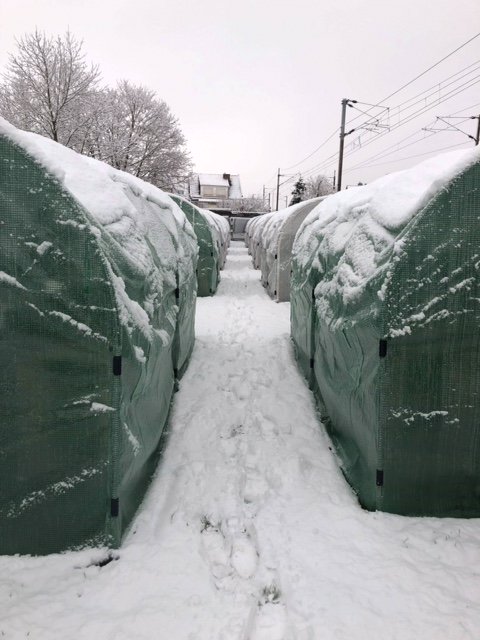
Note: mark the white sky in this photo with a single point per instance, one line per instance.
(257, 85)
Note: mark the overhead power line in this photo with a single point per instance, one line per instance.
(403, 106)
(421, 94)
(418, 155)
(449, 55)
(422, 110)
(330, 160)
(314, 151)
(395, 148)
(409, 118)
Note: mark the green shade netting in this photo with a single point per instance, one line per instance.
(97, 313)
(385, 321)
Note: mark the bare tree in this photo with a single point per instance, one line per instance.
(50, 89)
(47, 87)
(136, 132)
(318, 186)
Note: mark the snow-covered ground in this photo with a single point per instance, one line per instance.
(249, 531)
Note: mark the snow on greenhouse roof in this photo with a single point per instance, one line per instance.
(356, 232)
(96, 185)
(108, 195)
(278, 220)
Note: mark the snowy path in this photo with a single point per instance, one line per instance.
(249, 531)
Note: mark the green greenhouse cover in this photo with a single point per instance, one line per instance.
(208, 266)
(98, 289)
(385, 316)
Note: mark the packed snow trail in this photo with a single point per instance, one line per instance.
(249, 531)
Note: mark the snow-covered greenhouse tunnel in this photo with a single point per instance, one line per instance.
(98, 289)
(212, 238)
(249, 229)
(223, 234)
(253, 237)
(385, 312)
(275, 248)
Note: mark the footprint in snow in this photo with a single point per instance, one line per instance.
(270, 622)
(244, 556)
(216, 551)
(255, 486)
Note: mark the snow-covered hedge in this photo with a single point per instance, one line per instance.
(385, 316)
(97, 291)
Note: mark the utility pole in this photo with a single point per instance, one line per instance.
(342, 141)
(477, 137)
(343, 135)
(263, 196)
(278, 188)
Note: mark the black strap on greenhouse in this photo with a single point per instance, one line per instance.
(382, 348)
(379, 477)
(117, 365)
(114, 507)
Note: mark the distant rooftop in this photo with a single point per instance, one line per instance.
(231, 181)
(213, 179)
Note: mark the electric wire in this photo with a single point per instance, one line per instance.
(418, 155)
(383, 154)
(418, 113)
(405, 120)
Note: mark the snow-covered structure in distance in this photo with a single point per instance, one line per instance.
(223, 234)
(238, 224)
(249, 229)
(211, 190)
(208, 266)
(97, 293)
(276, 248)
(385, 311)
(253, 236)
(212, 233)
(269, 239)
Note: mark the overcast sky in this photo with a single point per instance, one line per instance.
(257, 84)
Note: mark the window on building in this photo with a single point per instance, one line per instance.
(214, 192)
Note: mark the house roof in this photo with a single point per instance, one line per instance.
(212, 180)
(215, 180)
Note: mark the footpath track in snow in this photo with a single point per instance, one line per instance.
(249, 531)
